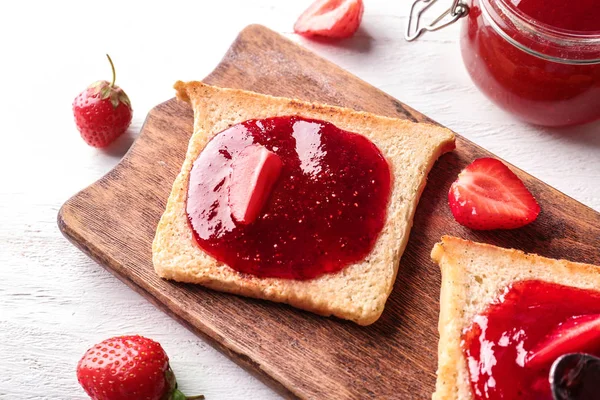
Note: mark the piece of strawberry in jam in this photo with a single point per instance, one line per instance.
(580, 333)
(253, 173)
(324, 210)
(500, 343)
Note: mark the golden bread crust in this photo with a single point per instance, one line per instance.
(359, 291)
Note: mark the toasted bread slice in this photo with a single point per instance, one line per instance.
(473, 274)
(359, 291)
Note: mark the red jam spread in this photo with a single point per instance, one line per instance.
(497, 343)
(578, 15)
(537, 89)
(324, 212)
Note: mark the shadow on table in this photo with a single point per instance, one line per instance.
(588, 134)
(119, 147)
(360, 42)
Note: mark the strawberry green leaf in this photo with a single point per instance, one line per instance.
(105, 92)
(174, 393)
(114, 99)
(123, 98)
(177, 395)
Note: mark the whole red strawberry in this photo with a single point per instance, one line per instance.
(128, 367)
(102, 112)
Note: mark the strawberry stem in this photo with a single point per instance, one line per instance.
(178, 395)
(112, 66)
(174, 393)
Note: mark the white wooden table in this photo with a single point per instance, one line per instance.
(54, 301)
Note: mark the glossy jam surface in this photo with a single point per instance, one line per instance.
(534, 89)
(325, 211)
(498, 341)
(572, 15)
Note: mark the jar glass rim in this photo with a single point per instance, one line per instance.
(539, 39)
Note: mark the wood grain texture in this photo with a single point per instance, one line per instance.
(301, 354)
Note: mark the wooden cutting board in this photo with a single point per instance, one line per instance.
(300, 354)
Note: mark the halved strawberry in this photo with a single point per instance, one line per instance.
(253, 173)
(331, 18)
(487, 195)
(578, 334)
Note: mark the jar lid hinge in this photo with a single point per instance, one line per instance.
(457, 10)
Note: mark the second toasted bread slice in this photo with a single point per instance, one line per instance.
(473, 275)
(359, 291)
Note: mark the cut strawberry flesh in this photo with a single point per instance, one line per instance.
(253, 175)
(488, 195)
(331, 18)
(577, 334)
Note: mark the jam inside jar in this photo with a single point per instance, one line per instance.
(537, 59)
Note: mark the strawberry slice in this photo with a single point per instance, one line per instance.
(577, 334)
(331, 18)
(254, 172)
(487, 195)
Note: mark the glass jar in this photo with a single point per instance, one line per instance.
(540, 73)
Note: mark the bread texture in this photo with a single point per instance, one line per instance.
(359, 291)
(473, 275)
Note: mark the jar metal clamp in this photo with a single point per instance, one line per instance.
(457, 10)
